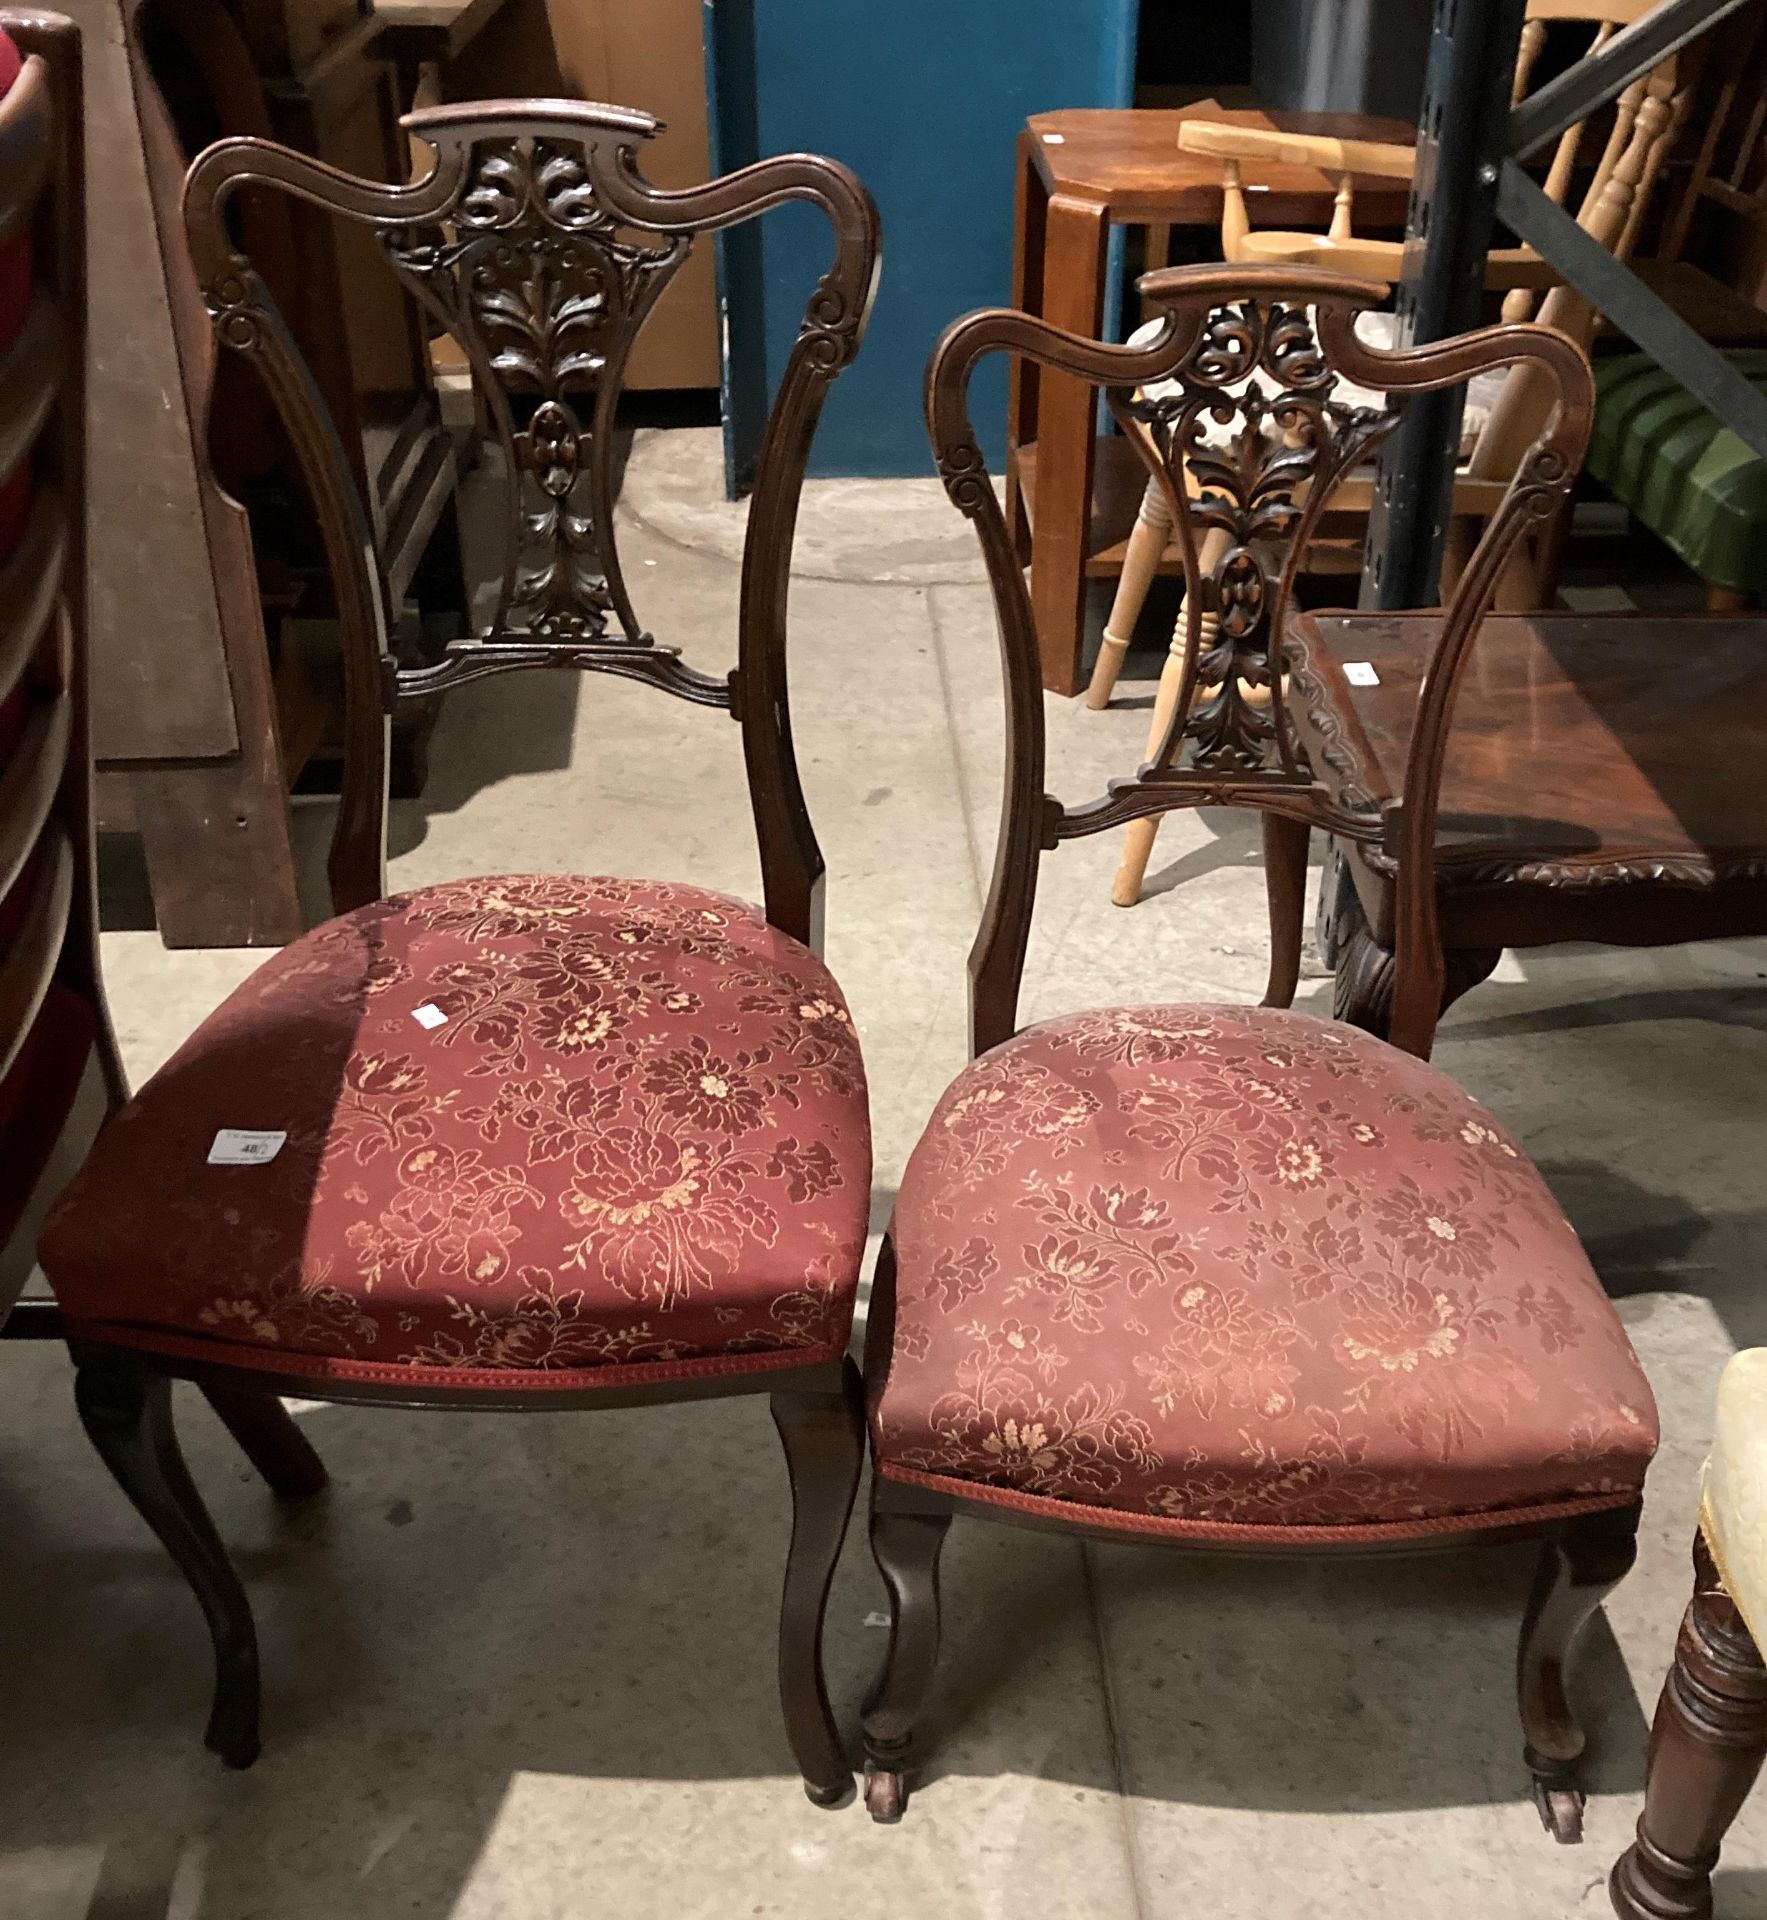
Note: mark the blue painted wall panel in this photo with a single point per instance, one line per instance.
(924, 100)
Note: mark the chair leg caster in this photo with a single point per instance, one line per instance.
(886, 1795)
(1561, 1811)
(237, 1745)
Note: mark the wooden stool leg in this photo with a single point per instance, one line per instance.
(1139, 835)
(1706, 1747)
(1147, 542)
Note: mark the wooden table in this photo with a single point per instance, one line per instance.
(1071, 498)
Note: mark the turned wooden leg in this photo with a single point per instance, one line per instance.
(1579, 1566)
(127, 1411)
(824, 1439)
(1362, 981)
(270, 1440)
(1285, 888)
(1337, 899)
(1141, 559)
(1139, 835)
(1706, 1747)
(905, 1543)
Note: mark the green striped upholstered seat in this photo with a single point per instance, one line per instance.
(1688, 478)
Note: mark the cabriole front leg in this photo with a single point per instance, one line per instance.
(126, 1409)
(905, 1543)
(823, 1435)
(1579, 1566)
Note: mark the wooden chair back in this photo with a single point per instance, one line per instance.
(58, 1071)
(535, 242)
(1639, 137)
(1252, 441)
(1721, 208)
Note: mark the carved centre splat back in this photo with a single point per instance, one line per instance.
(1252, 405)
(535, 280)
(537, 244)
(1248, 437)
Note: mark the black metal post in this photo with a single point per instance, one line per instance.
(1461, 137)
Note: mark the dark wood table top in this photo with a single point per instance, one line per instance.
(1127, 160)
(1581, 738)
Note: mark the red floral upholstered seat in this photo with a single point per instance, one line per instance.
(1229, 1271)
(637, 1141)
(1230, 1268)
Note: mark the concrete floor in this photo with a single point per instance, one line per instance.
(520, 1668)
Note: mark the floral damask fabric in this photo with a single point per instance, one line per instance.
(1211, 1268)
(635, 1137)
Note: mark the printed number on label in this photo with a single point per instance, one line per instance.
(244, 1147)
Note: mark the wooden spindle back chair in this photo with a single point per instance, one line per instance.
(1613, 202)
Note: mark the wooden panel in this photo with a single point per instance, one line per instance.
(159, 683)
(30, 377)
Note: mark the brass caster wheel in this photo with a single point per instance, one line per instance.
(885, 1796)
(1561, 1812)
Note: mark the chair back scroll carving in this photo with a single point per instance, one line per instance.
(535, 241)
(1246, 434)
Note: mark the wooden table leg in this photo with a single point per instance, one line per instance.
(1031, 200)
(1073, 297)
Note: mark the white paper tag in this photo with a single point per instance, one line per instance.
(877, 1620)
(1055, 139)
(244, 1147)
(429, 1015)
(1360, 674)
